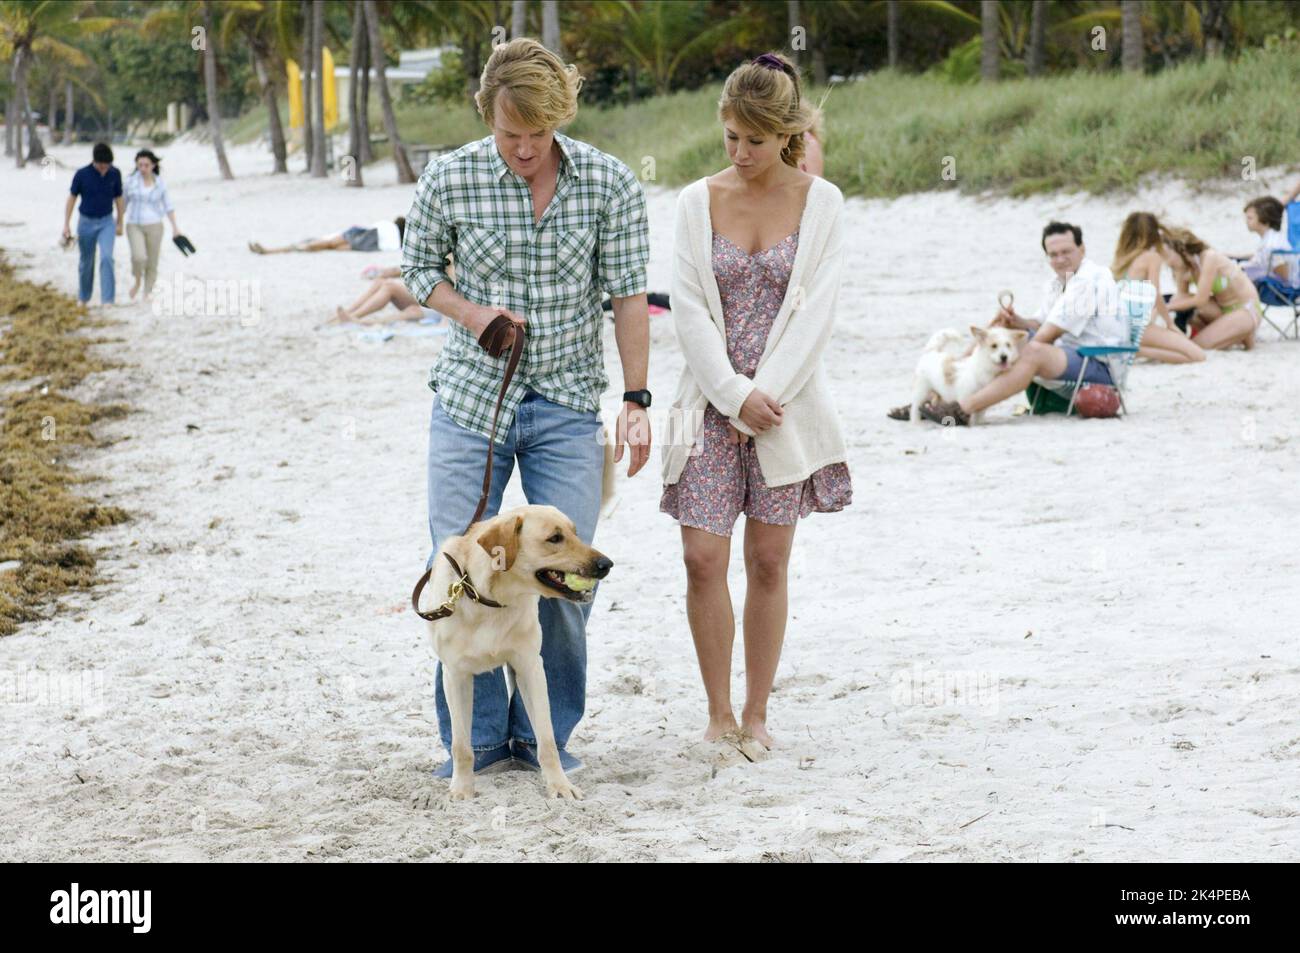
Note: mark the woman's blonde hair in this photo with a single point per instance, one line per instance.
(1140, 233)
(765, 95)
(1184, 244)
(542, 90)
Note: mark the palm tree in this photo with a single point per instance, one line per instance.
(551, 27)
(990, 38)
(1037, 39)
(304, 70)
(210, 84)
(31, 29)
(657, 37)
(518, 18)
(317, 117)
(891, 31)
(162, 21)
(356, 52)
(1132, 36)
(404, 173)
(266, 26)
(792, 21)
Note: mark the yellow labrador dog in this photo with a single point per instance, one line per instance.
(513, 559)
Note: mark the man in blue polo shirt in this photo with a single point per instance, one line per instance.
(100, 187)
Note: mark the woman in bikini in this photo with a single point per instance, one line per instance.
(1226, 302)
(1138, 258)
(743, 228)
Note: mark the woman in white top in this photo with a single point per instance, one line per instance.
(756, 276)
(147, 203)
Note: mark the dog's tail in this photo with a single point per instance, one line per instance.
(608, 487)
(948, 341)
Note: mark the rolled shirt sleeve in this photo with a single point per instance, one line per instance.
(624, 240)
(428, 239)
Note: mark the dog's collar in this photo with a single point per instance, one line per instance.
(461, 585)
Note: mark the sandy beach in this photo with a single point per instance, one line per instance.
(1042, 639)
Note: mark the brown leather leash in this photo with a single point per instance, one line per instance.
(501, 333)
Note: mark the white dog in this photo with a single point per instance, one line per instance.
(950, 368)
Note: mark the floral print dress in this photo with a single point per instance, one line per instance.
(720, 479)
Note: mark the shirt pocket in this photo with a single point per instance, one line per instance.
(574, 249)
(481, 256)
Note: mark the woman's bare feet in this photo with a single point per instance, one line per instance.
(720, 726)
(756, 728)
(135, 289)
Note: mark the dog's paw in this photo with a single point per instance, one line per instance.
(461, 792)
(563, 788)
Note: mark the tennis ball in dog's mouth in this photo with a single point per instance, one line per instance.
(579, 583)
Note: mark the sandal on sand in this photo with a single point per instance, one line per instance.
(901, 412)
(947, 413)
(256, 247)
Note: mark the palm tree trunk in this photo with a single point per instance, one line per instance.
(68, 120)
(318, 89)
(363, 101)
(551, 27)
(354, 112)
(470, 60)
(9, 125)
(304, 63)
(35, 150)
(1037, 39)
(518, 18)
(16, 105)
(891, 10)
(210, 81)
(404, 173)
(272, 104)
(52, 110)
(792, 20)
(1213, 21)
(990, 33)
(1133, 52)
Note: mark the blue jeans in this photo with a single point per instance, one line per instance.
(93, 233)
(561, 461)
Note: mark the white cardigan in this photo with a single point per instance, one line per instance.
(790, 369)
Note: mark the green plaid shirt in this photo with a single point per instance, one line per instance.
(593, 237)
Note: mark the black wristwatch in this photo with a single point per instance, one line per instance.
(641, 397)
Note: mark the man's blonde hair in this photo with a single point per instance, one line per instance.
(542, 90)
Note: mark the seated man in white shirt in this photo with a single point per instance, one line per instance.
(1080, 309)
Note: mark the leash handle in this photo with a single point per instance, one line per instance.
(494, 334)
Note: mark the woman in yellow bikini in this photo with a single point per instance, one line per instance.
(1138, 258)
(1226, 302)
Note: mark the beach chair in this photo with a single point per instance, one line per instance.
(1137, 300)
(1279, 292)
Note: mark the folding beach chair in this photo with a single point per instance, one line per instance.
(1280, 292)
(1137, 299)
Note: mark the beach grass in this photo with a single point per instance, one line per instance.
(45, 350)
(890, 134)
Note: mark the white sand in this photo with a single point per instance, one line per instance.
(1045, 639)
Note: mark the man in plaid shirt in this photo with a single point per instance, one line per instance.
(539, 225)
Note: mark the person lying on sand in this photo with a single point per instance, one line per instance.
(386, 288)
(381, 236)
(1080, 308)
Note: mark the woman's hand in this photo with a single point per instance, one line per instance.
(759, 411)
